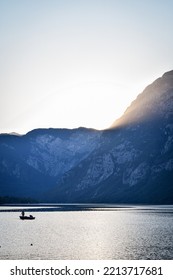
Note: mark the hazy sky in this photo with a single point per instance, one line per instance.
(70, 63)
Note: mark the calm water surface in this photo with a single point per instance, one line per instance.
(116, 233)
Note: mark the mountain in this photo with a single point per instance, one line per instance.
(151, 103)
(33, 163)
(131, 162)
(134, 163)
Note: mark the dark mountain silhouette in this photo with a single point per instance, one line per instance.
(132, 162)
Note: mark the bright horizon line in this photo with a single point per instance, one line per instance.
(87, 95)
(131, 97)
(21, 132)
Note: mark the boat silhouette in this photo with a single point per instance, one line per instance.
(23, 217)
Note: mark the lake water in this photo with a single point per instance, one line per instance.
(104, 233)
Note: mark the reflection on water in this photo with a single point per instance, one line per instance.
(136, 233)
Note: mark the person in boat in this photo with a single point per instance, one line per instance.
(23, 213)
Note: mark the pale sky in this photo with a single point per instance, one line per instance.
(71, 63)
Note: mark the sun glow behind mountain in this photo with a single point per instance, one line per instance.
(78, 63)
(92, 105)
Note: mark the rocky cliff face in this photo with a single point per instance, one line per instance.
(134, 163)
(130, 163)
(31, 164)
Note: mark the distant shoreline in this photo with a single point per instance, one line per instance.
(61, 207)
(78, 207)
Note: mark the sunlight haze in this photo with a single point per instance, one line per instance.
(79, 63)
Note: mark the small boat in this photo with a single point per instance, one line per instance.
(30, 217)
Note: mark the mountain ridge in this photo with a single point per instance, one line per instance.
(148, 95)
(132, 162)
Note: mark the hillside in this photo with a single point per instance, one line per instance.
(33, 163)
(132, 162)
